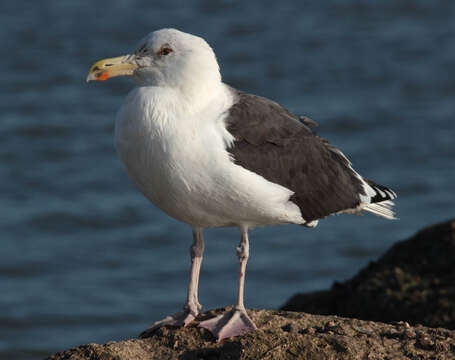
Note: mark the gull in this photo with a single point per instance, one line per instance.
(212, 156)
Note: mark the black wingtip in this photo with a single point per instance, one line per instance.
(383, 193)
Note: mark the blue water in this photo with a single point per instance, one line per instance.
(85, 258)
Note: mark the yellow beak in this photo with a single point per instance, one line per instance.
(109, 68)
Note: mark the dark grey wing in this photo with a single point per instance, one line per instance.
(272, 142)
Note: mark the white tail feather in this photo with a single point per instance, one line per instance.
(383, 209)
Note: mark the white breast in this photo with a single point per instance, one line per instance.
(177, 158)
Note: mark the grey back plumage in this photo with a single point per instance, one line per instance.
(274, 143)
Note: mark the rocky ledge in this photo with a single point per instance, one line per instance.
(282, 335)
(414, 282)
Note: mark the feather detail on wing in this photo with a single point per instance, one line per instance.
(274, 143)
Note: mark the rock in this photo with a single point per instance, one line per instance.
(414, 281)
(281, 335)
(411, 285)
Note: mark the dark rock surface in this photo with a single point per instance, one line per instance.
(414, 282)
(282, 335)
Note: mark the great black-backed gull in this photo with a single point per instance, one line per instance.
(212, 156)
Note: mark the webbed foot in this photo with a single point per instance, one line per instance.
(182, 318)
(232, 323)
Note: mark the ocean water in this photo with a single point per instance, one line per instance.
(84, 257)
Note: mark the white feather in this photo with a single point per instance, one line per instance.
(173, 140)
(383, 209)
(171, 136)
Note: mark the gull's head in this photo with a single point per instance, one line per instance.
(165, 57)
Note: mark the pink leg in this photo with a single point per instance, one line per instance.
(192, 306)
(235, 322)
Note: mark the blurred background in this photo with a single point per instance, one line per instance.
(84, 257)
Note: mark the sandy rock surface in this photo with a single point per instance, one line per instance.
(412, 284)
(282, 335)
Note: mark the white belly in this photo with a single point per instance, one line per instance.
(184, 169)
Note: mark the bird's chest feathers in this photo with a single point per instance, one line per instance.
(170, 155)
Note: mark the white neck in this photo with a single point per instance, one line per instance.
(188, 101)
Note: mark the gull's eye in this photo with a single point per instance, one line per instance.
(165, 51)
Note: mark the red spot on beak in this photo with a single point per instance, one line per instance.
(102, 76)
